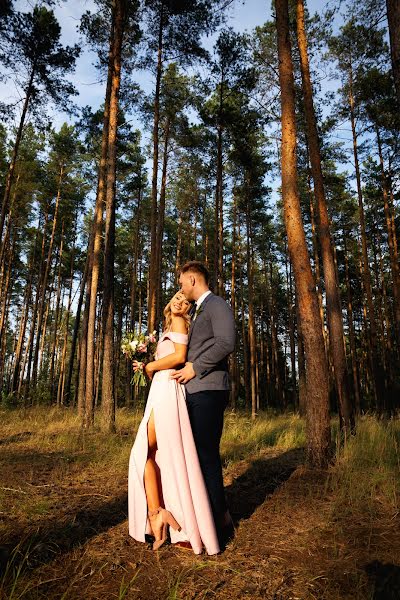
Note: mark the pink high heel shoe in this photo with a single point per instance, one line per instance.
(166, 519)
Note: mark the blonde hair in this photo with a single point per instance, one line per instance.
(168, 316)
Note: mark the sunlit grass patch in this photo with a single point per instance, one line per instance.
(243, 436)
(366, 474)
(58, 431)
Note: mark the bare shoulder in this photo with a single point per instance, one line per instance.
(178, 325)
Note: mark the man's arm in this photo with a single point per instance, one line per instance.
(223, 326)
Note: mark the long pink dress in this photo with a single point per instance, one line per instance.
(183, 487)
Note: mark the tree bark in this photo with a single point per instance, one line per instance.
(374, 357)
(291, 318)
(46, 276)
(333, 302)
(219, 213)
(153, 283)
(233, 358)
(29, 347)
(5, 291)
(62, 378)
(56, 318)
(393, 17)
(160, 224)
(392, 242)
(317, 419)
(352, 338)
(252, 328)
(23, 323)
(108, 379)
(11, 169)
(89, 349)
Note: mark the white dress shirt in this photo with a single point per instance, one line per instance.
(199, 301)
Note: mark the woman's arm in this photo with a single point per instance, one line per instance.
(168, 362)
(175, 359)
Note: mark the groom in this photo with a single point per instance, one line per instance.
(205, 375)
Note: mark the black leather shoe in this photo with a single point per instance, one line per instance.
(225, 535)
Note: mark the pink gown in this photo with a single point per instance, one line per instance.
(183, 487)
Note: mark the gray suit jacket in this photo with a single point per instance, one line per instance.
(211, 340)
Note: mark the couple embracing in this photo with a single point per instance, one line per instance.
(175, 473)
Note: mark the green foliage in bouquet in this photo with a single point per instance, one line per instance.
(140, 347)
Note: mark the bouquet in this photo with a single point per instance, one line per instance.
(142, 348)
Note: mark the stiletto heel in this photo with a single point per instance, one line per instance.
(166, 519)
(170, 519)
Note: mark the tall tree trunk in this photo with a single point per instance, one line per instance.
(246, 377)
(219, 216)
(301, 365)
(10, 223)
(352, 338)
(153, 283)
(56, 319)
(81, 391)
(274, 342)
(62, 379)
(374, 357)
(318, 426)
(392, 242)
(160, 224)
(46, 276)
(393, 17)
(108, 380)
(75, 333)
(11, 169)
(333, 302)
(89, 344)
(134, 278)
(233, 358)
(290, 306)
(29, 347)
(5, 292)
(252, 327)
(23, 323)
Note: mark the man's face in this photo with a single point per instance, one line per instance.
(186, 281)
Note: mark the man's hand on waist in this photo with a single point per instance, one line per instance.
(185, 374)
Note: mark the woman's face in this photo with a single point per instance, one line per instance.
(179, 304)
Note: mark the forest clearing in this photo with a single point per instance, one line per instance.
(204, 198)
(301, 533)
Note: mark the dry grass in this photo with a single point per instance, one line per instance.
(301, 534)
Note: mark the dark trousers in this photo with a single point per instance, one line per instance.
(206, 414)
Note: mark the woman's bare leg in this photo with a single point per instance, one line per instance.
(152, 481)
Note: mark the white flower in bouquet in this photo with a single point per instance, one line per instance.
(140, 348)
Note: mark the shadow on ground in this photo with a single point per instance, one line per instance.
(261, 479)
(50, 539)
(17, 437)
(385, 579)
(244, 495)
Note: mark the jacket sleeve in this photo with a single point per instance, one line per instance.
(223, 326)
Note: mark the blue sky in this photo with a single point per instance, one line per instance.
(243, 15)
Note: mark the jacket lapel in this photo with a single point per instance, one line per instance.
(194, 321)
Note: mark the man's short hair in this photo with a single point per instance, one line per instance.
(195, 266)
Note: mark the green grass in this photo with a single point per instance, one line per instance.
(243, 436)
(366, 475)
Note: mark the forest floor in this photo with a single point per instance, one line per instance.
(301, 534)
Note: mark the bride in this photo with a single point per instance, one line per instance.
(165, 482)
